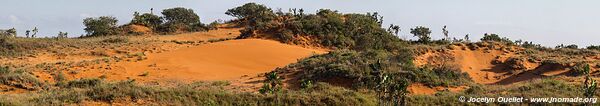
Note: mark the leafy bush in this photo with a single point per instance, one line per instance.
(592, 47)
(354, 66)
(495, 37)
(422, 33)
(441, 76)
(181, 19)
(180, 15)
(272, 83)
(581, 69)
(571, 46)
(100, 26)
(326, 28)
(146, 19)
(252, 14)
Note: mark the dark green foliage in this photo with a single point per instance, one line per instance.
(592, 47)
(100, 26)
(181, 19)
(180, 15)
(445, 32)
(422, 33)
(571, 46)
(527, 44)
(326, 28)
(35, 31)
(356, 66)
(306, 84)
(272, 83)
(395, 29)
(12, 32)
(390, 91)
(62, 35)
(441, 76)
(495, 37)
(252, 14)
(146, 19)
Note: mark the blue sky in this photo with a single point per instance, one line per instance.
(548, 22)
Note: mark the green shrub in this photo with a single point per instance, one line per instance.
(180, 15)
(592, 47)
(146, 19)
(100, 26)
(581, 69)
(496, 38)
(272, 83)
(252, 14)
(326, 28)
(441, 76)
(422, 33)
(571, 46)
(180, 19)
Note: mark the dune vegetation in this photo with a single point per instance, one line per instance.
(277, 57)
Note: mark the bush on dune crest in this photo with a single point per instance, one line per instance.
(326, 28)
(347, 64)
(174, 20)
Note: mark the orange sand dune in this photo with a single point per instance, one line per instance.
(227, 60)
(421, 89)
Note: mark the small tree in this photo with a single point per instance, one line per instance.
(35, 31)
(445, 31)
(390, 90)
(249, 10)
(252, 14)
(180, 15)
(592, 47)
(146, 19)
(394, 29)
(100, 26)
(422, 33)
(467, 38)
(27, 33)
(272, 83)
(179, 18)
(571, 46)
(495, 37)
(62, 35)
(590, 85)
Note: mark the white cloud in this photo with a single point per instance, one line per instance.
(14, 19)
